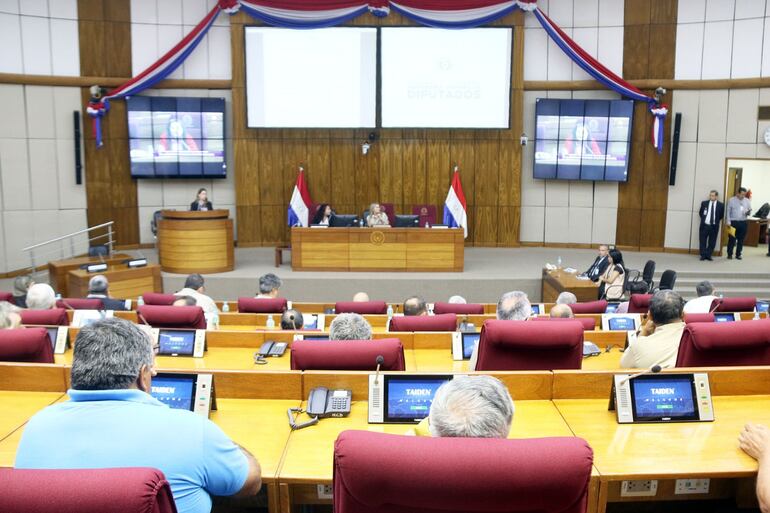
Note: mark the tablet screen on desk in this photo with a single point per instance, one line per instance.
(175, 391)
(611, 307)
(408, 398)
(176, 342)
(470, 341)
(621, 323)
(315, 337)
(724, 317)
(52, 334)
(762, 306)
(536, 309)
(661, 397)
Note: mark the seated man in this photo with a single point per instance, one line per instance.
(457, 300)
(111, 420)
(702, 303)
(9, 316)
(470, 407)
(658, 340)
(21, 286)
(361, 297)
(561, 311)
(292, 320)
(415, 305)
(755, 441)
(566, 298)
(269, 285)
(184, 301)
(350, 326)
(98, 289)
(41, 296)
(513, 306)
(194, 287)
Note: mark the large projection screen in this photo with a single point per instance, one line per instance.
(324, 78)
(435, 78)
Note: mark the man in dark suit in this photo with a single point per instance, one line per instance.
(97, 289)
(711, 213)
(600, 264)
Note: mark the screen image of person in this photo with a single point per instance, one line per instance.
(175, 138)
(323, 215)
(201, 202)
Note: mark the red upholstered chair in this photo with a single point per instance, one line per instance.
(361, 307)
(639, 303)
(589, 307)
(184, 317)
(106, 490)
(261, 305)
(443, 322)
(455, 308)
(7, 296)
(73, 303)
(589, 323)
(358, 355)
(390, 211)
(384, 473)
(427, 214)
(25, 345)
(698, 317)
(725, 344)
(156, 298)
(521, 345)
(734, 304)
(52, 317)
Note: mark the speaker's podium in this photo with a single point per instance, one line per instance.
(195, 242)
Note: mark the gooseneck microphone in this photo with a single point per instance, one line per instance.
(380, 360)
(652, 370)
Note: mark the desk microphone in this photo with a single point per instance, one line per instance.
(293, 324)
(652, 370)
(380, 360)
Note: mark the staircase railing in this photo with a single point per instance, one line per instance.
(44, 251)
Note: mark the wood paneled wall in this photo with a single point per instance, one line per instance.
(104, 28)
(648, 51)
(403, 167)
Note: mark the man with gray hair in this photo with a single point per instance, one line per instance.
(98, 288)
(415, 306)
(194, 287)
(111, 420)
(350, 326)
(658, 340)
(269, 285)
(472, 407)
(21, 286)
(513, 306)
(566, 298)
(702, 303)
(9, 316)
(41, 296)
(561, 312)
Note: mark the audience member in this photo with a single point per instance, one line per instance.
(269, 285)
(415, 305)
(361, 297)
(566, 298)
(350, 326)
(41, 296)
(21, 286)
(194, 287)
(98, 288)
(9, 316)
(612, 280)
(702, 303)
(292, 320)
(513, 306)
(562, 312)
(111, 420)
(184, 301)
(658, 340)
(457, 300)
(755, 441)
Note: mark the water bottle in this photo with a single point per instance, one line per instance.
(558, 262)
(756, 314)
(427, 224)
(361, 222)
(225, 307)
(215, 320)
(58, 297)
(390, 313)
(270, 322)
(140, 301)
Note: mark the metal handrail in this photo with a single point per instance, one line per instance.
(109, 243)
(63, 237)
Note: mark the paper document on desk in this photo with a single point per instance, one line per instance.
(585, 278)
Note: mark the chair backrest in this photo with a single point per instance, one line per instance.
(456, 308)
(721, 344)
(589, 307)
(184, 317)
(106, 490)
(443, 322)
(427, 213)
(390, 211)
(157, 298)
(698, 317)
(649, 271)
(7, 296)
(156, 217)
(589, 323)
(667, 280)
(261, 305)
(52, 317)
(521, 345)
(358, 355)
(25, 345)
(442, 475)
(73, 303)
(361, 307)
(639, 303)
(734, 304)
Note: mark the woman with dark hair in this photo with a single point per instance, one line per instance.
(323, 215)
(201, 201)
(612, 280)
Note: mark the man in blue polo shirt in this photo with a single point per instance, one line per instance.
(112, 421)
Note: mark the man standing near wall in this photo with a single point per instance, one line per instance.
(738, 209)
(711, 213)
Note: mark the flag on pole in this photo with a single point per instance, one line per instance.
(299, 206)
(455, 213)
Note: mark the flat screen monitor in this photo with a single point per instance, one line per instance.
(176, 137)
(536, 309)
(406, 221)
(174, 390)
(762, 306)
(470, 341)
(724, 317)
(583, 139)
(408, 398)
(658, 397)
(343, 220)
(612, 307)
(176, 342)
(53, 332)
(315, 337)
(621, 323)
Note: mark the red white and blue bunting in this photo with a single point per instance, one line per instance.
(312, 14)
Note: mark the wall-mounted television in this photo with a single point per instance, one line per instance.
(176, 137)
(583, 139)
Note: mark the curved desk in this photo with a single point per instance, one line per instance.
(195, 242)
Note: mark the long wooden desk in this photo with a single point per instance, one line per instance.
(58, 269)
(377, 249)
(196, 242)
(125, 283)
(557, 281)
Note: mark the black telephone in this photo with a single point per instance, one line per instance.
(323, 403)
(269, 348)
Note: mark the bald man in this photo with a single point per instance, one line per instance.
(361, 297)
(561, 312)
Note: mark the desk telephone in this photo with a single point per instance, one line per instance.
(269, 348)
(322, 403)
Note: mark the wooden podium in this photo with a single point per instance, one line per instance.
(557, 281)
(125, 283)
(195, 242)
(58, 269)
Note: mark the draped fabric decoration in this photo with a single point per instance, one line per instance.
(312, 14)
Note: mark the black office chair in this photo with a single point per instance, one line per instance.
(156, 216)
(667, 280)
(646, 276)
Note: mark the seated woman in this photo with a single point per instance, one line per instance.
(377, 216)
(323, 215)
(612, 280)
(202, 202)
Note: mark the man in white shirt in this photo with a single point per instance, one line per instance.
(194, 288)
(658, 340)
(702, 303)
(512, 306)
(269, 285)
